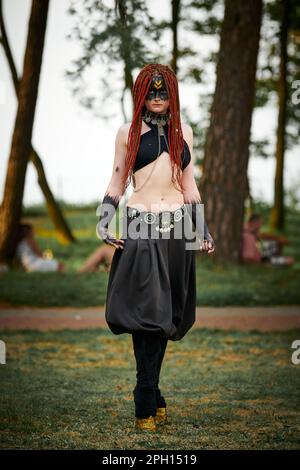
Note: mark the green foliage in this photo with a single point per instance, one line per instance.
(131, 37)
(269, 61)
(108, 36)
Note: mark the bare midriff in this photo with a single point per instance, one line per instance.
(159, 193)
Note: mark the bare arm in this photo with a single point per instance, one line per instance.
(114, 191)
(191, 193)
(115, 187)
(192, 196)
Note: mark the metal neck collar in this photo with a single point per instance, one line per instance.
(156, 118)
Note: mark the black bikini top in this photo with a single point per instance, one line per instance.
(148, 148)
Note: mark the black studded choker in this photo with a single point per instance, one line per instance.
(156, 118)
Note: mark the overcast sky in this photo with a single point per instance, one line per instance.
(77, 149)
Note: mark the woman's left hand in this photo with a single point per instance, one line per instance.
(207, 245)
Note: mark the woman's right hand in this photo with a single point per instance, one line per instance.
(110, 239)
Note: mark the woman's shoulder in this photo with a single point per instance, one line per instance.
(122, 134)
(123, 131)
(187, 132)
(125, 127)
(186, 129)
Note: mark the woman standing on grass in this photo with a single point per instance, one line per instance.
(151, 291)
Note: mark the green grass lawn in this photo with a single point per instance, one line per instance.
(217, 285)
(224, 390)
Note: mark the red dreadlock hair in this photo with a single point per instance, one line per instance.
(175, 136)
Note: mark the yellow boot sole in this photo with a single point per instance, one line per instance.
(146, 424)
(161, 415)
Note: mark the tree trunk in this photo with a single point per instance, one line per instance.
(224, 179)
(11, 208)
(277, 213)
(56, 215)
(175, 21)
(63, 231)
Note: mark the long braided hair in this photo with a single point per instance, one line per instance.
(175, 137)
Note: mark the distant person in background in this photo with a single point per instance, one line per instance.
(28, 253)
(101, 256)
(250, 250)
(262, 247)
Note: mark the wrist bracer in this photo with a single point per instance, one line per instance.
(108, 208)
(199, 224)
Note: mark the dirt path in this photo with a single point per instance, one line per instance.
(239, 318)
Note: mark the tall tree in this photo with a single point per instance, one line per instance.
(118, 34)
(277, 213)
(279, 70)
(11, 208)
(224, 180)
(175, 21)
(54, 211)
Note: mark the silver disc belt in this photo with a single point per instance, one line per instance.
(164, 220)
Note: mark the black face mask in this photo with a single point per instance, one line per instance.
(157, 89)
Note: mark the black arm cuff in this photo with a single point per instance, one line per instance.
(108, 208)
(196, 210)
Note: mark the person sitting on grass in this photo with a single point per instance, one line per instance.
(28, 254)
(262, 247)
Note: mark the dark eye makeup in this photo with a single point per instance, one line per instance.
(162, 94)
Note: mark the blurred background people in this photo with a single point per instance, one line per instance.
(29, 255)
(101, 256)
(262, 247)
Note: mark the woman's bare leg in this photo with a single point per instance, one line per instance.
(100, 256)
